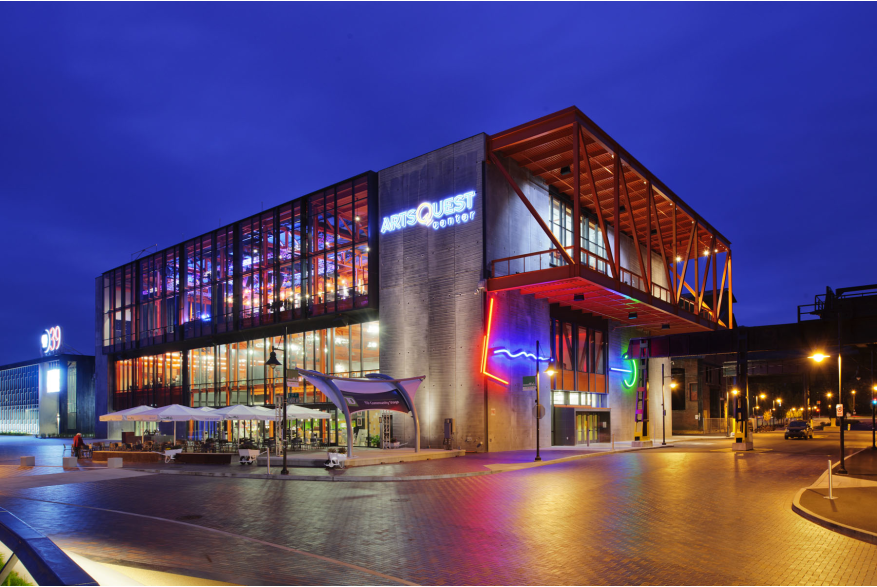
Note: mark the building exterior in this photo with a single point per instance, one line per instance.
(450, 265)
(49, 396)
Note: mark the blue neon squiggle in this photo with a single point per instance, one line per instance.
(511, 355)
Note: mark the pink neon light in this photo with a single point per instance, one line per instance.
(486, 344)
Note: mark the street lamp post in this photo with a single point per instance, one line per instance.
(818, 357)
(550, 372)
(873, 422)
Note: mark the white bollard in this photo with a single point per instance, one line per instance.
(28, 461)
(830, 488)
(71, 462)
(114, 463)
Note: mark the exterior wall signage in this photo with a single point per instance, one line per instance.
(50, 341)
(447, 212)
(388, 400)
(53, 381)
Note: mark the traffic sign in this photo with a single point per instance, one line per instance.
(529, 383)
(539, 411)
(840, 410)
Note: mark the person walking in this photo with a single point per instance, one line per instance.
(78, 443)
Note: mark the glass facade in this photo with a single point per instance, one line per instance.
(235, 373)
(20, 399)
(305, 258)
(581, 360)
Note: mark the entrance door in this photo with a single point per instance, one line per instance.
(587, 427)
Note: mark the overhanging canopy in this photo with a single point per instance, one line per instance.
(374, 392)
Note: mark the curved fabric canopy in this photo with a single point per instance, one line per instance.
(122, 415)
(374, 392)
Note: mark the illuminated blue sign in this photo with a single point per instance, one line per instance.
(512, 355)
(447, 212)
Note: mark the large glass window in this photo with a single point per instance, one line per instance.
(580, 357)
(236, 373)
(305, 257)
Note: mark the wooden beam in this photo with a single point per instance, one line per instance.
(639, 252)
(597, 205)
(706, 273)
(722, 289)
(661, 241)
(530, 207)
(615, 218)
(649, 201)
(675, 254)
(686, 286)
(715, 280)
(681, 282)
(730, 293)
(576, 199)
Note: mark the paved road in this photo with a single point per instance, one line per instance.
(691, 514)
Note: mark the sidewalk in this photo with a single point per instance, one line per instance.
(852, 512)
(470, 465)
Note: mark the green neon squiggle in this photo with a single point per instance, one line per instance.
(633, 374)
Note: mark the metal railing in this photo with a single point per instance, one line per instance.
(33, 558)
(715, 426)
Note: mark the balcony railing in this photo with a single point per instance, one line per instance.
(552, 258)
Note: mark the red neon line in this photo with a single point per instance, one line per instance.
(487, 344)
(503, 381)
(483, 354)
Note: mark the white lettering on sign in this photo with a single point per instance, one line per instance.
(453, 210)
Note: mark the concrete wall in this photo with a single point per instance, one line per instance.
(431, 309)
(518, 321)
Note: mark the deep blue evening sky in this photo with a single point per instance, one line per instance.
(127, 125)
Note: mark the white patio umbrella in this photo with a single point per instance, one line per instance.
(175, 413)
(122, 415)
(241, 412)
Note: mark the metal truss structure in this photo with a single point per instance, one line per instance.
(573, 155)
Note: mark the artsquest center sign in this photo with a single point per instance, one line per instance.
(447, 212)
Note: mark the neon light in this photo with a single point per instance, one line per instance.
(633, 377)
(485, 347)
(511, 355)
(453, 210)
(620, 370)
(50, 340)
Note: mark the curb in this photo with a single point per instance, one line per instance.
(850, 531)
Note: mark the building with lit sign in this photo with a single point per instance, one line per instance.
(49, 396)
(450, 265)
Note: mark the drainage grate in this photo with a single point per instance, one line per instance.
(188, 518)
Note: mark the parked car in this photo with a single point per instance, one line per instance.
(799, 429)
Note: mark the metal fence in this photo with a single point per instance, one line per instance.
(716, 426)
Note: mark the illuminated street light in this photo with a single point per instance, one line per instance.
(818, 357)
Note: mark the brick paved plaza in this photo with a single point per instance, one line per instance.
(694, 513)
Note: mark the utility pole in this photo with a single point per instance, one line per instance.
(538, 405)
(283, 432)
